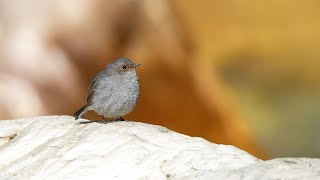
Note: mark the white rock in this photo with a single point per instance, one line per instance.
(283, 168)
(56, 147)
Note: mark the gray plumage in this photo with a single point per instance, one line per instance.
(114, 92)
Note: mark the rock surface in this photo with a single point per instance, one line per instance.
(57, 147)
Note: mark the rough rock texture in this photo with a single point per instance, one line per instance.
(57, 147)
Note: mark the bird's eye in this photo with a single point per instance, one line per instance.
(124, 67)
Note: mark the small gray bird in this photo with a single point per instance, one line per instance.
(114, 92)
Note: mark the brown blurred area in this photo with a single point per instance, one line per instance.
(220, 70)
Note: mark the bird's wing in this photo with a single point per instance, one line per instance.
(93, 87)
(91, 91)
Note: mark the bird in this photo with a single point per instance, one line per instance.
(114, 92)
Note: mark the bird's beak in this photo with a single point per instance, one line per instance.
(136, 65)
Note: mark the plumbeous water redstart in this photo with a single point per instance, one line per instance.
(114, 92)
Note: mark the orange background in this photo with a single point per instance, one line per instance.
(242, 73)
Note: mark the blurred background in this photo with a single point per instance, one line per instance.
(244, 73)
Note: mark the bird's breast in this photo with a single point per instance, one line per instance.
(117, 96)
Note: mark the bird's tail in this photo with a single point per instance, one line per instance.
(81, 112)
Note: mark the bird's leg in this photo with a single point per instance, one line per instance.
(103, 119)
(121, 119)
